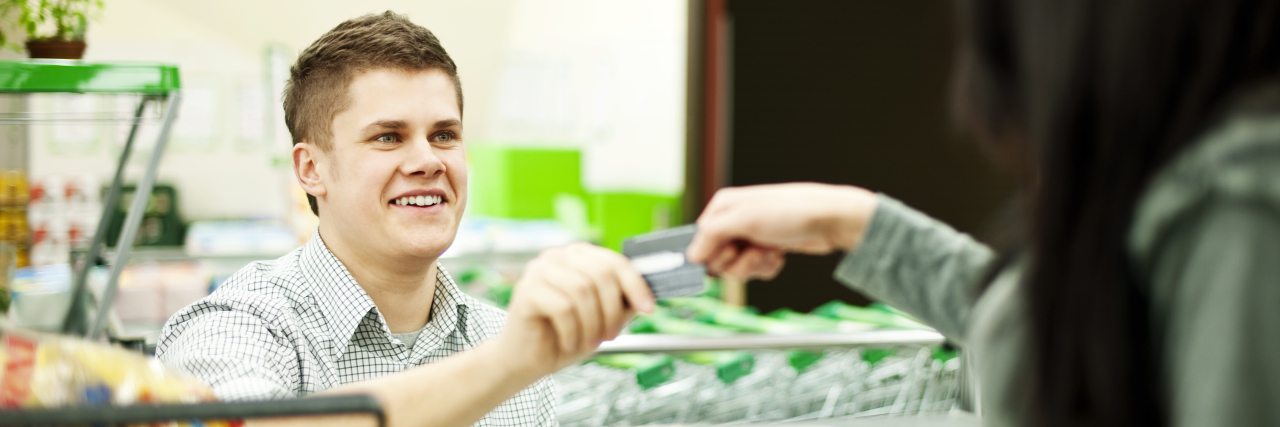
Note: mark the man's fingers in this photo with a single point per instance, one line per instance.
(558, 308)
(610, 273)
(634, 288)
(610, 290)
(608, 295)
(586, 298)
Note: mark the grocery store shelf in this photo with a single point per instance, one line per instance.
(60, 75)
(656, 343)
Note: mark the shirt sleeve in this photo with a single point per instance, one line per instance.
(919, 265)
(232, 348)
(1219, 277)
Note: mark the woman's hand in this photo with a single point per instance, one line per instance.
(745, 231)
(569, 300)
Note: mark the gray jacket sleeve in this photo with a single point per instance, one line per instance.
(1215, 285)
(919, 265)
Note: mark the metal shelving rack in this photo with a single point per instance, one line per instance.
(158, 85)
(905, 383)
(155, 83)
(655, 343)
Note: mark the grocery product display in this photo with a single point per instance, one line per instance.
(63, 214)
(707, 362)
(14, 229)
(45, 371)
(48, 379)
(143, 87)
(41, 296)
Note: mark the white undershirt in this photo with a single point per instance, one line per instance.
(408, 338)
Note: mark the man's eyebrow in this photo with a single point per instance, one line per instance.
(382, 125)
(385, 125)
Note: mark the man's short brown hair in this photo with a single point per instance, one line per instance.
(318, 81)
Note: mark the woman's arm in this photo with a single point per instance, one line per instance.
(896, 254)
(919, 265)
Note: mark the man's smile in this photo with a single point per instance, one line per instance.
(421, 200)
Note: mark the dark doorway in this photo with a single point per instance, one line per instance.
(853, 92)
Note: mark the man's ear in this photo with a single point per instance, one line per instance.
(308, 162)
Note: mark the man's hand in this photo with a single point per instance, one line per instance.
(568, 301)
(745, 231)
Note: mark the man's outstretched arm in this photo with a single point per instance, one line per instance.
(569, 300)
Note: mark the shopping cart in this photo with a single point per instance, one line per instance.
(879, 373)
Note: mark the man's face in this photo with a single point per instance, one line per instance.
(396, 152)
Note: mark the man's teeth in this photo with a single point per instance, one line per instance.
(418, 200)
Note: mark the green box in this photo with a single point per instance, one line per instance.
(526, 182)
(619, 215)
(521, 182)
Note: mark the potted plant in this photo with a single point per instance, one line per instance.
(55, 28)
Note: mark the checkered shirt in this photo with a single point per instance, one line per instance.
(300, 324)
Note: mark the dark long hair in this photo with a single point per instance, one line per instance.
(1088, 99)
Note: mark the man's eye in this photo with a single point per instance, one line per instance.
(444, 137)
(386, 138)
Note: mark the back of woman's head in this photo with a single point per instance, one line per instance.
(1089, 98)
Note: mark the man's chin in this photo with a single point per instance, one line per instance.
(426, 246)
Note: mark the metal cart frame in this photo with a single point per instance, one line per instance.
(842, 385)
(157, 83)
(147, 414)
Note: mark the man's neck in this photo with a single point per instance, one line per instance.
(402, 289)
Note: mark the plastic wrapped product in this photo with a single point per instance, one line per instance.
(46, 371)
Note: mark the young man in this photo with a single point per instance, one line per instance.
(375, 109)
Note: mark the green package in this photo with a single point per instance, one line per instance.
(730, 365)
(840, 310)
(819, 323)
(651, 369)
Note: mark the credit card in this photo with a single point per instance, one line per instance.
(659, 257)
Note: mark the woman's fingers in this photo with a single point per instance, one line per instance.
(722, 257)
(797, 217)
(756, 262)
(714, 233)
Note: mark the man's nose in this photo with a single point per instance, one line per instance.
(422, 160)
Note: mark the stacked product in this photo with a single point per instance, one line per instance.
(14, 231)
(64, 214)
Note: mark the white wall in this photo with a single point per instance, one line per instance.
(606, 76)
(611, 71)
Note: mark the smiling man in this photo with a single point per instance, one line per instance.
(375, 109)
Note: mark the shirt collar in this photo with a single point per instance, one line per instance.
(345, 303)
